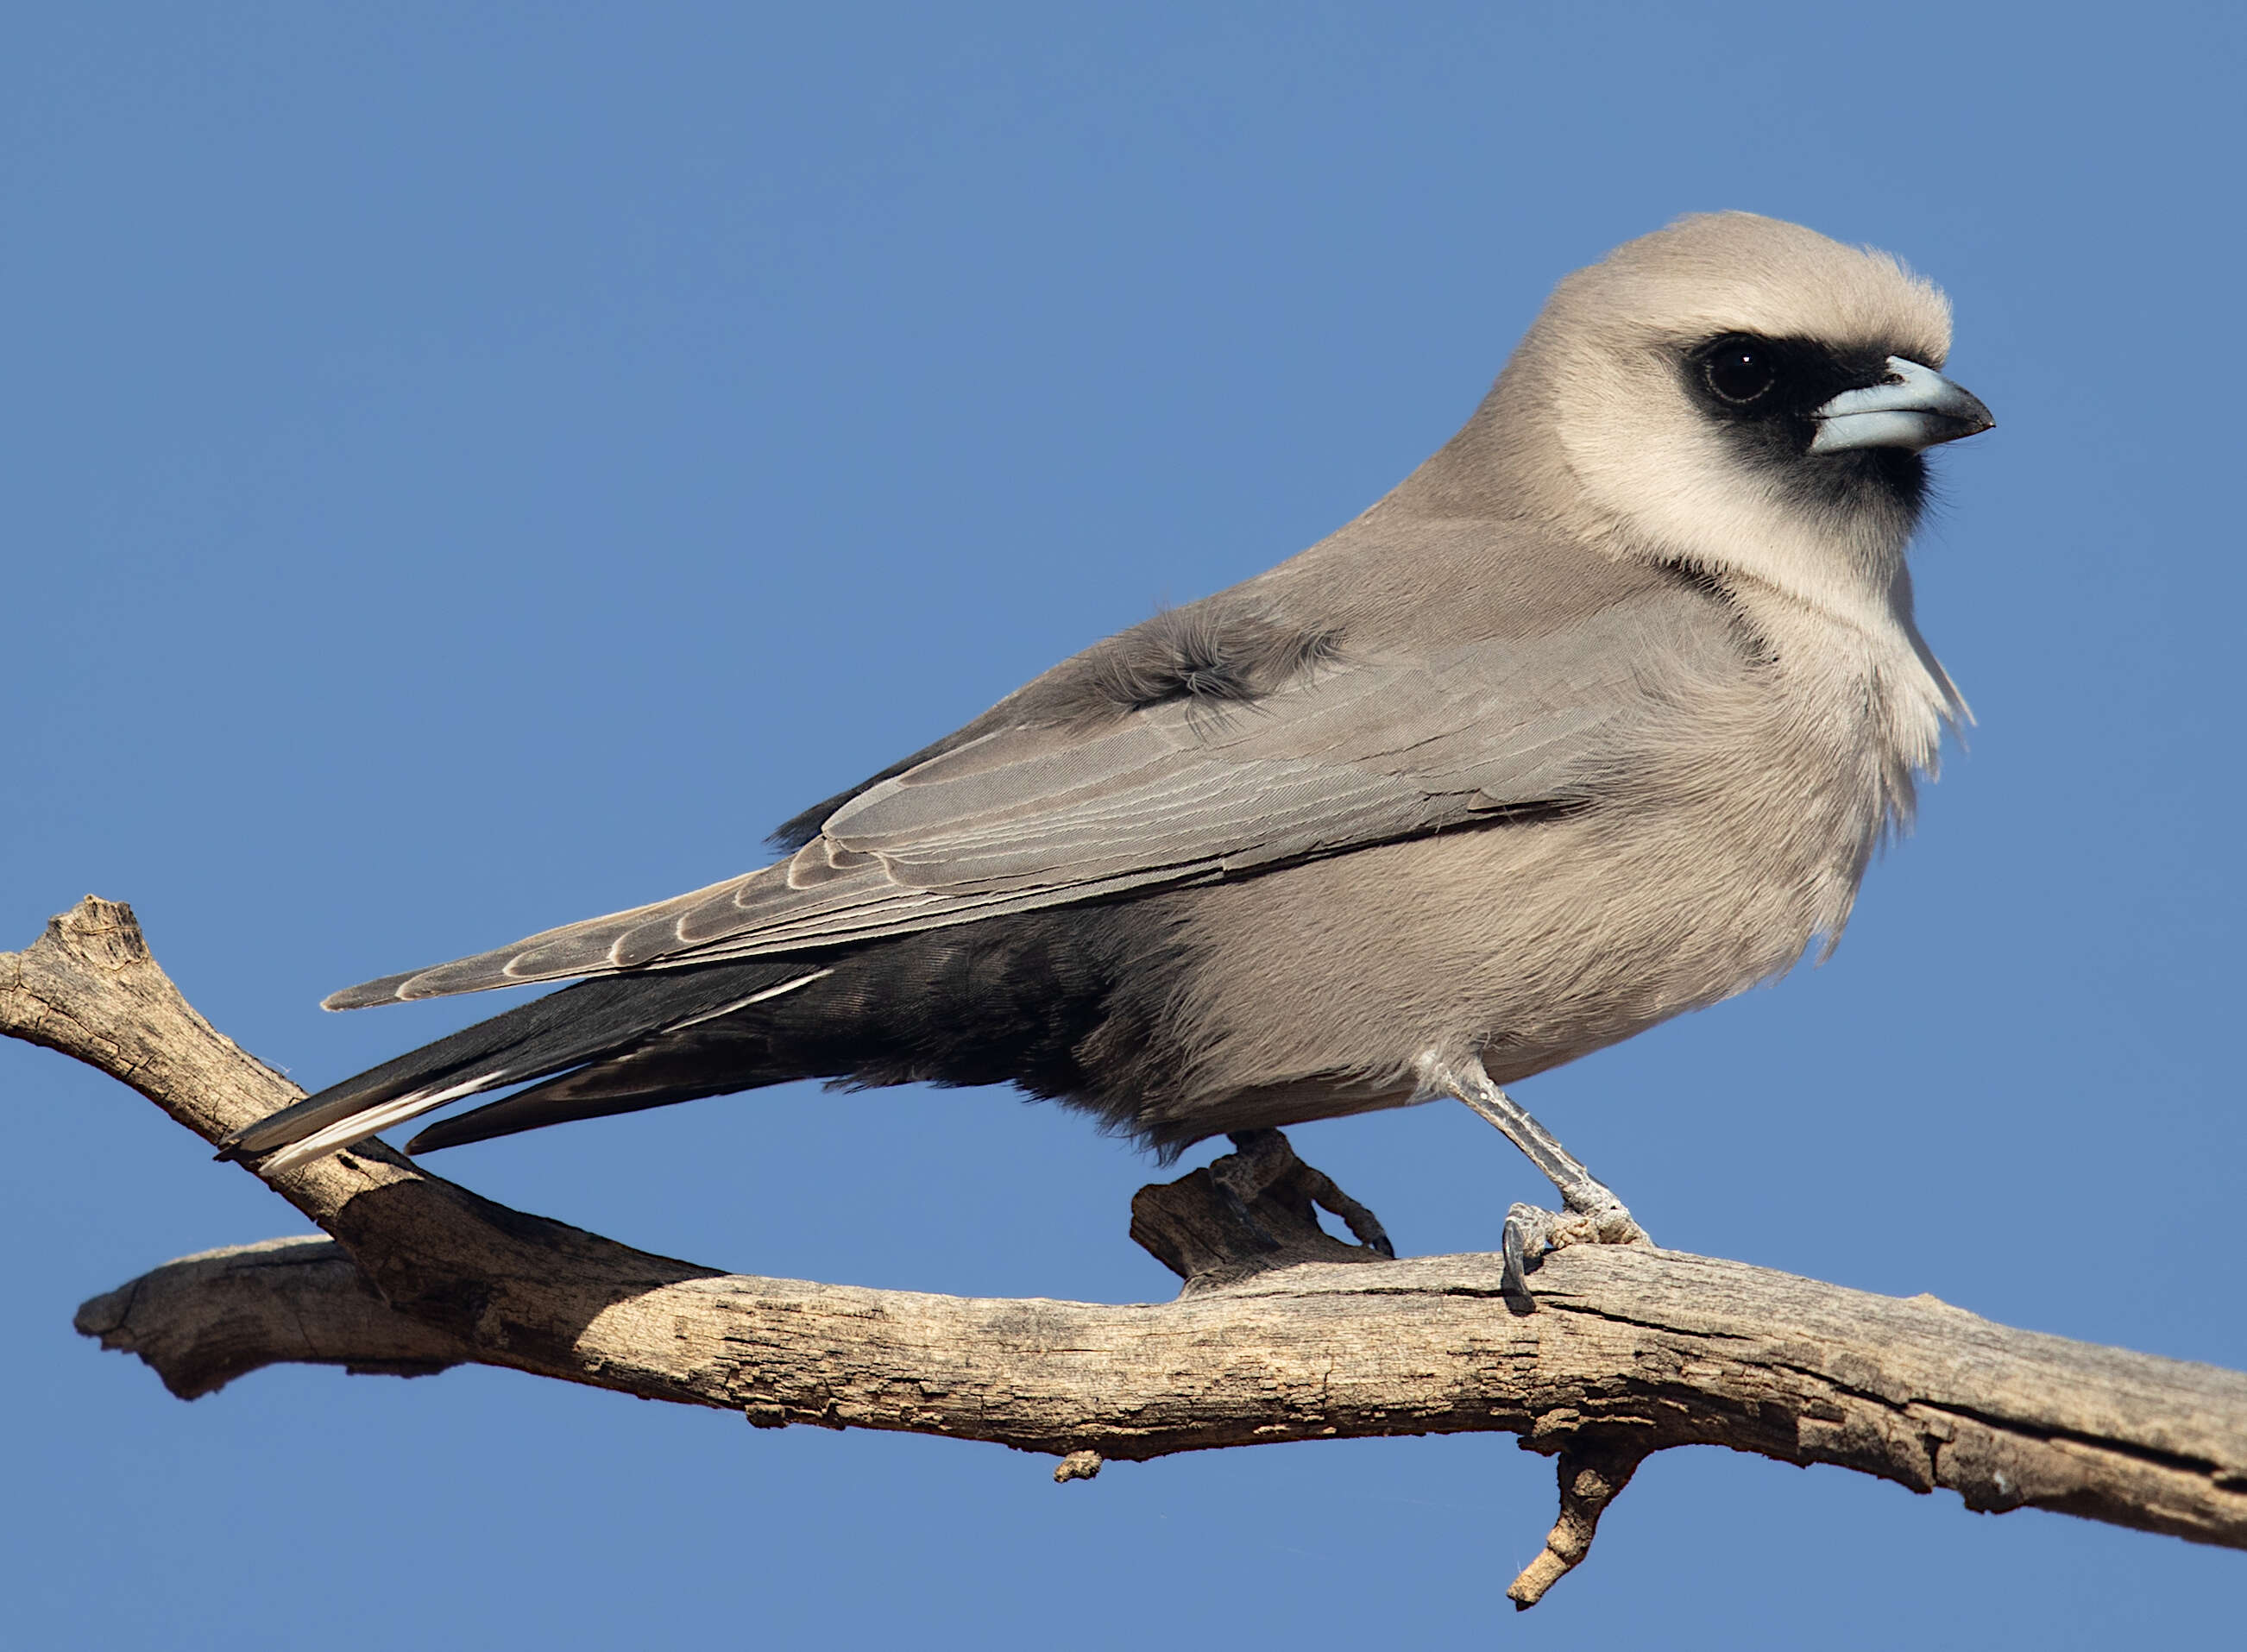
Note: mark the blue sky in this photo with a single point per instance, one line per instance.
(470, 469)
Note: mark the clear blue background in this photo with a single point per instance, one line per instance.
(466, 469)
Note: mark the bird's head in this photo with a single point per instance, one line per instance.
(1748, 396)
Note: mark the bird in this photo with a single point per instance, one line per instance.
(1597, 718)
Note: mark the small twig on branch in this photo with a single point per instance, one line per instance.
(1593, 1471)
(1638, 1349)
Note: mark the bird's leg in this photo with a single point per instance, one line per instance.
(1591, 1214)
(1259, 1158)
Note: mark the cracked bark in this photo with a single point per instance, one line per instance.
(1634, 1350)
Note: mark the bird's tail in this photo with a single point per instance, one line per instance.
(595, 1020)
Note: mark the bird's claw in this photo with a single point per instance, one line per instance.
(1531, 1233)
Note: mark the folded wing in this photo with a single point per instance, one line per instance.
(1347, 754)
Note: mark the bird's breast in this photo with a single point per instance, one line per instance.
(1736, 842)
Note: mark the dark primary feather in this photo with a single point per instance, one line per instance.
(563, 1029)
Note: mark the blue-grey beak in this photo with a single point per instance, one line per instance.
(1917, 408)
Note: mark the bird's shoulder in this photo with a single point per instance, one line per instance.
(1447, 595)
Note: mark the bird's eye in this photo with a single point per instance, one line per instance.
(1740, 370)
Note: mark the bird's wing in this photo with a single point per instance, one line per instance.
(1347, 754)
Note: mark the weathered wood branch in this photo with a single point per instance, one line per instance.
(203, 1321)
(1634, 1350)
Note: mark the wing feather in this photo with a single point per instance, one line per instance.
(1347, 755)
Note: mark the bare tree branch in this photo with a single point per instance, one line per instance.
(1633, 1349)
(203, 1321)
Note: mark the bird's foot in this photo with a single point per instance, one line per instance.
(1253, 1210)
(1532, 1233)
(1592, 1215)
(1262, 1162)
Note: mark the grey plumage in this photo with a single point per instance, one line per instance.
(1596, 719)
